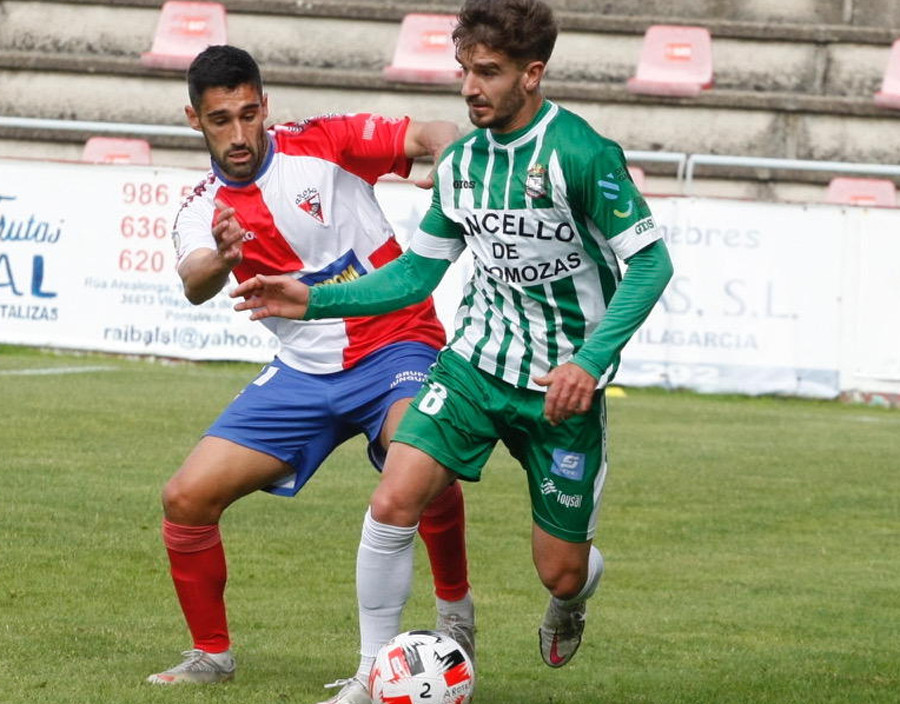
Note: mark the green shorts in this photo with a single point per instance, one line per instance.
(460, 414)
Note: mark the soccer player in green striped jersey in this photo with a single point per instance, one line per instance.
(549, 211)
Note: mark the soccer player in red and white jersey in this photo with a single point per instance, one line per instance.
(297, 199)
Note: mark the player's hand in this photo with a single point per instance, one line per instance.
(425, 182)
(267, 296)
(570, 390)
(229, 235)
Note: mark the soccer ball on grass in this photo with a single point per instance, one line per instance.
(421, 667)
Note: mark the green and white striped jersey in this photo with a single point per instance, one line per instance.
(546, 211)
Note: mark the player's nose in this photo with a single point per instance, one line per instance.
(469, 86)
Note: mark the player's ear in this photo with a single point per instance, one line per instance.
(265, 106)
(192, 117)
(534, 72)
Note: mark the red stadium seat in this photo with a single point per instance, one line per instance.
(862, 191)
(675, 61)
(889, 95)
(637, 175)
(184, 30)
(116, 150)
(425, 51)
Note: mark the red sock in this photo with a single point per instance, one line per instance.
(198, 567)
(443, 529)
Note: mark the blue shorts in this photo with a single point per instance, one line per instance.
(300, 418)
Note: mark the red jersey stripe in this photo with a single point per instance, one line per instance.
(266, 251)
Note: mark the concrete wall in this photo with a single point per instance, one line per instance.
(808, 96)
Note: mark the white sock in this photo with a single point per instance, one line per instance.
(595, 572)
(384, 570)
(464, 607)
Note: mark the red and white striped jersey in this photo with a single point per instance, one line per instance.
(311, 212)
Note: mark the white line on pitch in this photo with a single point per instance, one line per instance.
(53, 370)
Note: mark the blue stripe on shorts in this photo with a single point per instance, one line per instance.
(300, 418)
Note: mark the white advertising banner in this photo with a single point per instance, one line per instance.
(766, 298)
(87, 262)
(754, 305)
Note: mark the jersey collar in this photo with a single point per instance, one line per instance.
(545, 113)
(267, 162)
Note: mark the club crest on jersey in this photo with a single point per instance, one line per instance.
(536, 182)
(310, 202)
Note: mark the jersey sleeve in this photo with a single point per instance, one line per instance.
(193, 224)
(438, 235)
(612, 201)
(364, 144)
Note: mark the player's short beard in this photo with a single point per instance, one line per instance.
(245, 172)
(505, 112)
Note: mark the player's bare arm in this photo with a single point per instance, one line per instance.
(272, 296)
(429, 139)
(205, 271)
(570, 391)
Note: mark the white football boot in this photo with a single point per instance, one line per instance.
(560, 632)
(199, 667)
(352, 691)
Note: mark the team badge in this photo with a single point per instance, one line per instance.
(310, 202)
(536, 182)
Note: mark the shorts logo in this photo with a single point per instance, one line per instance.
(568, 464)
(434, 398)
(548, 488)
(412, 375)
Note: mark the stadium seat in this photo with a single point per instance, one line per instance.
(425, 51)
(889, 95)
(184, 30)
(862, 191)
(674, 61)
(116, 150)
(637, 175)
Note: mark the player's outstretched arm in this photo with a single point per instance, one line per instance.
(407, 280)
(429, 138)
(269, 296)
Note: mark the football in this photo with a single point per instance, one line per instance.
(422, 667)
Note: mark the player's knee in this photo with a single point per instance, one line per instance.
(183, 503)
(392, 508)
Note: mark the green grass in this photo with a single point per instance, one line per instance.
(752, 547)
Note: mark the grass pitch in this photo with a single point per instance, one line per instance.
(752, 548)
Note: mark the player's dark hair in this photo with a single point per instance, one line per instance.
(221, 66)
(524, 30)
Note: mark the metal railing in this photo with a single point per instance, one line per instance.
(32, 123)
(680, 159)
(685, 164)
(752, 162)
